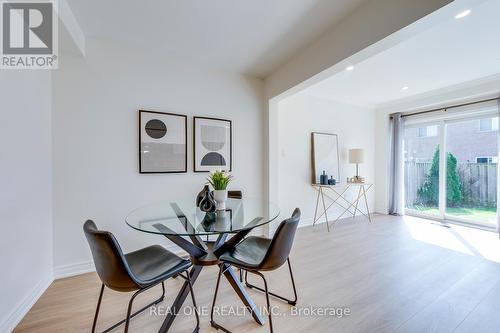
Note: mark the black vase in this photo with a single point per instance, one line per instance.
(205, 200)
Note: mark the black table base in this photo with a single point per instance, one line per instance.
(205, 253)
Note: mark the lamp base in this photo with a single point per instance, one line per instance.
(356, 179)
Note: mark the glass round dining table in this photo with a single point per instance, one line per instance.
(204, 236)
(183, 218)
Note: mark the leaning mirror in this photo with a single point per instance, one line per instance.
(325, 156)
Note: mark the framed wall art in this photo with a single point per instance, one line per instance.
(162, 142)
(212, 140)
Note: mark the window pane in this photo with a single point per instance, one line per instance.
(488, 124)
(471, 178)
(432, 130)
(427, 131)
(422, 131)
(422, 170)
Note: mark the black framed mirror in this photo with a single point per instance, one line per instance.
(325, 156)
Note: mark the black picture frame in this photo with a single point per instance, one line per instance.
(141, 164)
(196, 167)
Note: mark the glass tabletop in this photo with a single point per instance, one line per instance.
(183, 218)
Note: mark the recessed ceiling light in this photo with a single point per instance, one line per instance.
(404, 88)
(463, 14)
(349, 68)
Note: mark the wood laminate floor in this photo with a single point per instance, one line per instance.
(396, 274)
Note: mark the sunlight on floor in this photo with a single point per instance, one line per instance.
(474, 242)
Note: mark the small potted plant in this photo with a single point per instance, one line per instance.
(219, 181)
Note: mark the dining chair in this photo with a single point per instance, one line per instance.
(257, 254)
(136, 271)
(235, 194)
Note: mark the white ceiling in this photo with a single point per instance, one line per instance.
(450, 53)
(247, 36)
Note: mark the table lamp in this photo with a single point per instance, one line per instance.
(356, 156)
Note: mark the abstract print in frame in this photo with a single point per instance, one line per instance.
(162, 142)
(212, 144)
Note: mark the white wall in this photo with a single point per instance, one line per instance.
(26, 194)
(372, 28)
(300, 115)
(471, 91)
(96, 140)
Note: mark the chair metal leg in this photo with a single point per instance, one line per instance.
(219, 327)
(97, 308)
(294, 302)
(267, 301)
(129, 316)
(291, 302)
(129, 309)
(188, 278)
(212, 321)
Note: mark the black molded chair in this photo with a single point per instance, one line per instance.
(255, 254)
(135, 271)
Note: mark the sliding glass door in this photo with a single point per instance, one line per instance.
(421, 170)
(450, 169)
(471, 180)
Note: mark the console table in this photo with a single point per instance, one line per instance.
(340, 199)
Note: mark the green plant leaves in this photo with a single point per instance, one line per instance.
(219, 180)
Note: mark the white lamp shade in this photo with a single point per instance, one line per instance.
(356, 155)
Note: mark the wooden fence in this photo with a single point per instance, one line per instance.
(478, 182)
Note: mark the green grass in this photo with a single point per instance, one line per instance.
(487, 215)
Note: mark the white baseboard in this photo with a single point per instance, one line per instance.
(305, 222)
(22, 308)
(65, 271)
